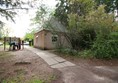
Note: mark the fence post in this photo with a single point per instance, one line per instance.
(4, 43)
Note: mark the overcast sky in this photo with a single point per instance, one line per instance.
(22, 20)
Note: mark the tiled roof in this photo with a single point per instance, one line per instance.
(53, 25)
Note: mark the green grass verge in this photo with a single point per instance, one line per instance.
(21, 79)
(74, 53)
(36, 81)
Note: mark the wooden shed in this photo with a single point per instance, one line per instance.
(50, 37)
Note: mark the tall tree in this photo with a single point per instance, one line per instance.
(111, 5)
(62, 11)
(8, 8)
(72, 14)
(30, 34)
(79, 7)
(42, 15)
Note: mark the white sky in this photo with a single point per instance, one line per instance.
(23, 20)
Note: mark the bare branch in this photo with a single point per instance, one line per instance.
(16, 8)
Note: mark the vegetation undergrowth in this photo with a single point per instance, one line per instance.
(91, 29)
(106, 47)
(75, 53)
(21, 79)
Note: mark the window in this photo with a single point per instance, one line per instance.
(54, 38)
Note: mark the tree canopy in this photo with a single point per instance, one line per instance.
(82, 7)
(91, 25)
(8, 8)
(30, 34)
(111, 5)
(65, 7)
(41, 15)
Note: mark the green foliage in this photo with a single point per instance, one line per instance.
(86, 54)
(106, 43)
(111, 5)
(95, 30)
(80, 33)
(68, 51)
(36, 81)
(79, 7)
(62, 10)
(20, 79)
(75, 53)
(8, 7)
(82, 39)
(86, 37)
(106, 47)
(30, 35)
(42, 15)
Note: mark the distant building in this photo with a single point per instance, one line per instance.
(51, 35)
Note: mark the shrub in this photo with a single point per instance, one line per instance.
(68, 51)
(106, 47)
(86, 54)
(86, 38)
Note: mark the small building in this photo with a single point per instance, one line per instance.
(51, 35)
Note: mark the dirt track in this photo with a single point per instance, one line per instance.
(90, 70)
(28, 65)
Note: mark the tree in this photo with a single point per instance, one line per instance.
(30, 35)
(106, 41)
(90, 26)
(8, 8)
(42, 15)
(79, 7)
(111, 5)
(6, 31)
(65, 7)
(72, 14)
(62, 10)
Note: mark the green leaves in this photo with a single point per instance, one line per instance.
(105, 48)
(8, 14)
(111, 5)
(72, 20)
(90, 25)
(30, 35)
(7, 6)
(42, 15)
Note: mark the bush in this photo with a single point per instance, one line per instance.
(82, 38)
(86, 38)
(86, 54)
(106, 47)
(68, 51)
